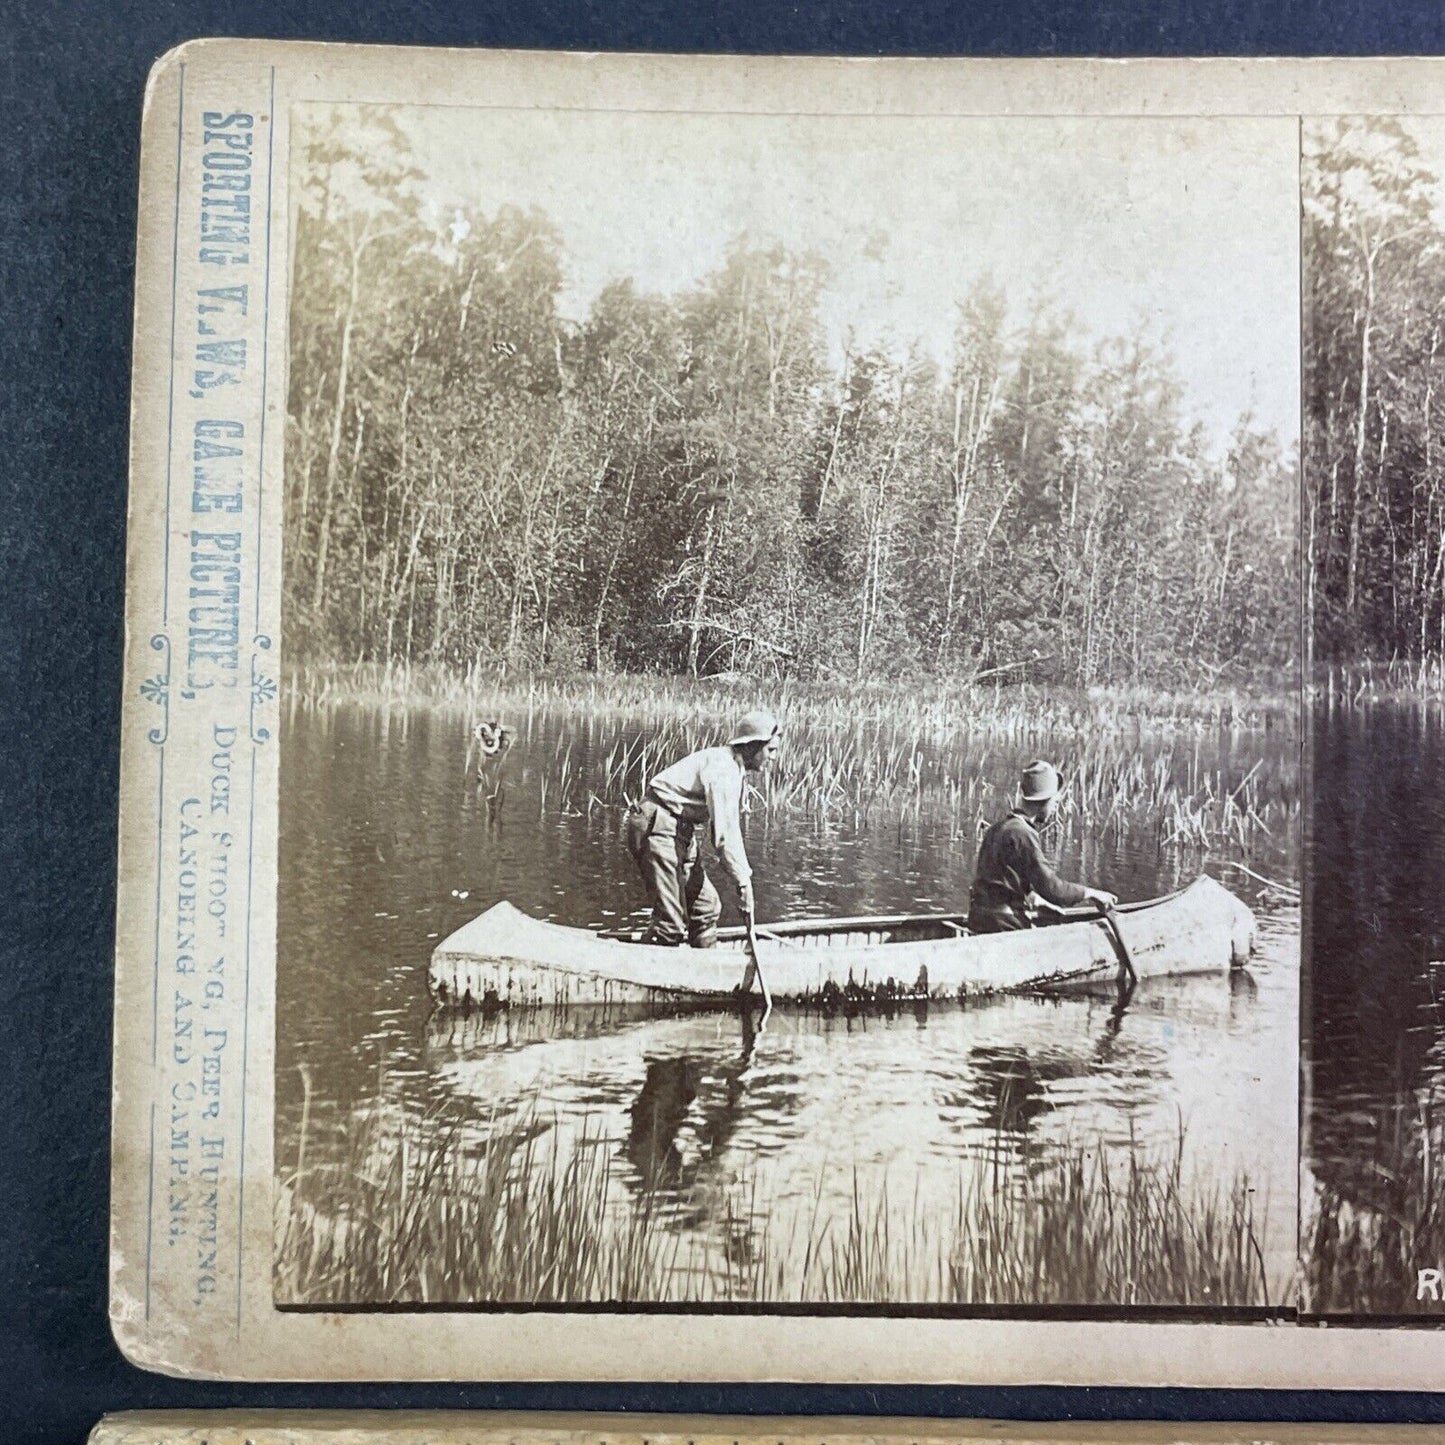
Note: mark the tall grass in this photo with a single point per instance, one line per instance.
(427, 1219)
(936, 709)
(887, 777)
(1366, 682)
(869, 759)
(1362, 1244)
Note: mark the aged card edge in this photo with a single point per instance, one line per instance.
(1388, 85)
(301, 1427)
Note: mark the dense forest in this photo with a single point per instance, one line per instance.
(691, 484)
(1374, 364)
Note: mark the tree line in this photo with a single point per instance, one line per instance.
(691, 484)
(1374, 365)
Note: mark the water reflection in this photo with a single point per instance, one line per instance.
(682, 1120)
(1376, 921)
(1011, 1086)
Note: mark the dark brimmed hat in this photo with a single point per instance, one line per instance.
(1039, 782)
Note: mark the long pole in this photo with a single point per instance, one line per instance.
(751, 930)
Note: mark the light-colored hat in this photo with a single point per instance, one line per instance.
(1039, 782)
(759, 726)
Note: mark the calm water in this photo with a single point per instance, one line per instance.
(1375, 1028)
(386, 846)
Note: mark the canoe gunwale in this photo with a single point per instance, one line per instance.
(506, 958)
(870, 922)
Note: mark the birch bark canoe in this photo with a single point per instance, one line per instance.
(505, 959)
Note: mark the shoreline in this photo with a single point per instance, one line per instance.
(936, 709)
(1366, 683)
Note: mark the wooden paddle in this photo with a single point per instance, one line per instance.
(1110, 920)
(1111, 927)
(754, 966)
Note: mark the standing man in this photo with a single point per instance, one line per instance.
(1012, 866)
(705, 786)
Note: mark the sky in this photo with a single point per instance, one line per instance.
(1189, 227)
(1428, 132)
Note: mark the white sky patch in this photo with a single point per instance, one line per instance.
(1189, 228)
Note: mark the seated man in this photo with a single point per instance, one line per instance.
(705, 785)
(1011, 863)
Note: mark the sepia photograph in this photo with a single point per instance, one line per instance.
(789, 758)
(1373, 1241)
(780, 722)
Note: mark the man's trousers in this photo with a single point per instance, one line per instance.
(685, 905)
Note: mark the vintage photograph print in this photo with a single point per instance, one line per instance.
(790, 783)
(1373, 1241)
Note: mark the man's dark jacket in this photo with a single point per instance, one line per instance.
(1011, 865)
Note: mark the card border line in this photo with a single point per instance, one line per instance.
(165, 621)
(255, 745)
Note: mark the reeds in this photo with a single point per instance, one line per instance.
(935, 710)
(1366, 682)
(1133, 762)
(882, 777)
(1366, 1240)
(423, 1218)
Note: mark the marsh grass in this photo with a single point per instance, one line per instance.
(936, 709)
(1362, 1248)
(426, 1218)
(1111, 788)
(872, 758)
(1366, 682)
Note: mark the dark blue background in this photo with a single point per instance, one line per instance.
(70, 87)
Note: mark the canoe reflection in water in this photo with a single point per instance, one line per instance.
(706, 1157)
(1008, 1085)
(691, 1104)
